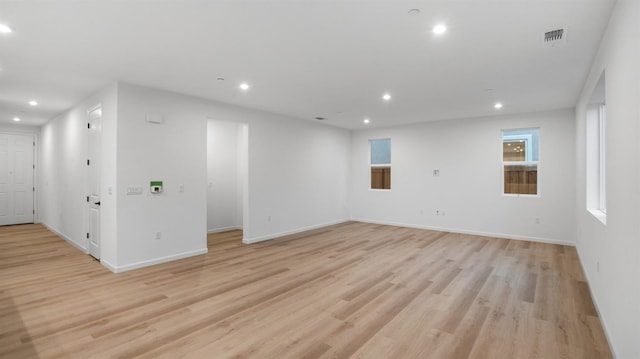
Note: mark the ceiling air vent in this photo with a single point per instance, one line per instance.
(554, 38)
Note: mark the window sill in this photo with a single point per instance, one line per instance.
(601, 216)
(521, 195)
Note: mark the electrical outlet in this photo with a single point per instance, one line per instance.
(158, 235)
(537, 220)
(268, 218)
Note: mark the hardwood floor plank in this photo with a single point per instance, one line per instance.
(352, 290)
(529, 287)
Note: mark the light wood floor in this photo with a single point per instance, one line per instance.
(351, 290)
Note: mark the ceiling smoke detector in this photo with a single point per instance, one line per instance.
(554, 38)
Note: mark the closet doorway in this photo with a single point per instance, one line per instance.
(227, 168)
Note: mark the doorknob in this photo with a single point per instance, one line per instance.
(97, 203)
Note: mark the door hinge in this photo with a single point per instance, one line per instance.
(34, 167)
(87, 235)
(34, 211)
(33, 189)
(87, 198)
(88, 125)
(34, 143)
(88, 162)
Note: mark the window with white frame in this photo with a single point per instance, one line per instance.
(602, 175)
(380, 163)
(520, 161)
(596, 124)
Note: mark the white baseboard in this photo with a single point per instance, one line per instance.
(293, 231)
(66, 238)
(466, 231)
(150, 262)
(605, 327)
(224, 229)
(109, 266)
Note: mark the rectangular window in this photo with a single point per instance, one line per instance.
(380, 163)
(596, 152)
(520, 161)
(602, 200)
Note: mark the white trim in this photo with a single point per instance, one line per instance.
(602, 160)
(224, 229)
(472, 232)
(601, 216)
(109, 266)
(521, 195)
(293, 231)
(150, 262)
(594, 299)
(66, 238)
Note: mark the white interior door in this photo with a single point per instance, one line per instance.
(94, 127)
(16, 179)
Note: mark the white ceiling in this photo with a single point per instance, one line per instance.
(303, 58)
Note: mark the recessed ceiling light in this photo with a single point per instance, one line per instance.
(386, 97)
(244, 86)
(439, 29)
(16, 119)
(414, 12)
(5, 29)
(320, 118)
(33, 103)
(498, 105)
(220, 79)
(366, 120)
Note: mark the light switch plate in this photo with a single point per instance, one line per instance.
(134, 190)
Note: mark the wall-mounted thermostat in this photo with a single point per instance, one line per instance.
(156, 186)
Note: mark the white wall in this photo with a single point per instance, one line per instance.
(62, 174)
(225, 146)
(610, 253)
(296, 179)
(298, 176)
(469, 190)
(174, 152)
(10, 128)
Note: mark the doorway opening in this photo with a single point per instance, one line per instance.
(227, 171)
